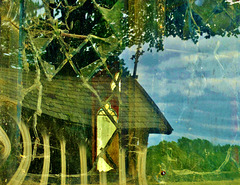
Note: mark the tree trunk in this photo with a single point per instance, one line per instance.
(83, 163)
(46, 163)
(63, 161)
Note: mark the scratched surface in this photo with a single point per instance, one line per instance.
(164, 75)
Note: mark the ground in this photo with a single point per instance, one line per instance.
(229, 182)
(226, 182)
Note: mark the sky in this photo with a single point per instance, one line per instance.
(196, 86)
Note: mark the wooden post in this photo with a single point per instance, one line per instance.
(141, 165)
(63, 161)
(122, 166)
(46, 163)
(142, 157)
(103, 178)
(144, 162)
(132, 144)
(122, 156)
(83, 163)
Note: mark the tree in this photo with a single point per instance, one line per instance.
(114, 25)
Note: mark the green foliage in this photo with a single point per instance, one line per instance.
(189, 20)
(129, 22)
(192, 160)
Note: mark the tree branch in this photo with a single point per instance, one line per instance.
(73, 35)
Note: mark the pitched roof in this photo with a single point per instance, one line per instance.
(69, 99)
(138, 110)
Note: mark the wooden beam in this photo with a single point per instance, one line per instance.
(103, 178)
(46, 163)
(122, 166)
(63, 161)
(132, 144)
(142, 157)
(83, 163)
(141, 165)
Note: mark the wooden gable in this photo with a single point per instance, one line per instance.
(139, 111)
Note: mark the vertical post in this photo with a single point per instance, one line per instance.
(122, 166)
(132, 138)
(19, 81)
(103, 178)
(141, 157)
(83, 163)
(144, 162)
(19, 78)
(46, 163)
(141, 165)
(132, 171)
(94, 132)
(63, 161)
(122, 156)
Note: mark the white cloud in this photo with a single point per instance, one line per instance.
(213, 139)
(227, 86)
(211, 66)
(177, 45)
(222, 127)
(150, 83)
(228, 54)
(227, 62)
(194, 70)
(228, 83)
(205, 55)
(190, 87)
(178, 62)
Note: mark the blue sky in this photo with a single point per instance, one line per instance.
(196, 86)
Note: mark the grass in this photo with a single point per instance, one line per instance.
(223, 182)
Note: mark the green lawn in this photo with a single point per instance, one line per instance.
(225, 182)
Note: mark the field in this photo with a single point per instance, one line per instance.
(225, 182)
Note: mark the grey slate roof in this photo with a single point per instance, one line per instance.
(68, 99)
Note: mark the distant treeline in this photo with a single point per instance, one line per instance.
(192, 160)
